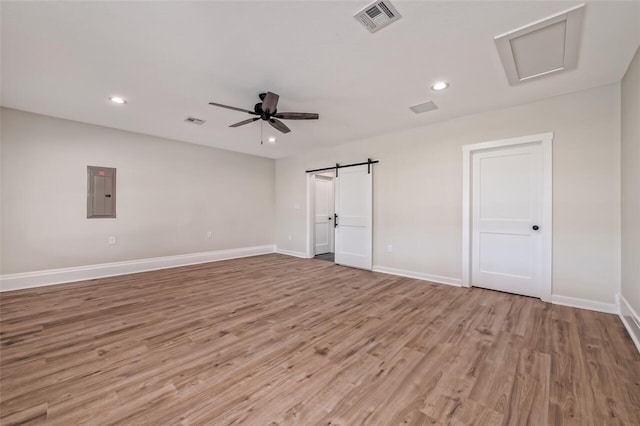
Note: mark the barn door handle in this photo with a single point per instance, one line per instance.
(335, 220)
(535, 227)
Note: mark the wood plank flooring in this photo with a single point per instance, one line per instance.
(274, 340)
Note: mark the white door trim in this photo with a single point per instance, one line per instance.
(545, 140)
(311, 210)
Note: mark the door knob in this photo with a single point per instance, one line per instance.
(535, 227)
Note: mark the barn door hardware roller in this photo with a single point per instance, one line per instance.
(369, 162)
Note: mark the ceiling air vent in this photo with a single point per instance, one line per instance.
(424, 107)
(194, 120)
(377, 15)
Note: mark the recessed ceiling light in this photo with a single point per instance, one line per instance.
(117, 100)
(440, 85)
(272, 139)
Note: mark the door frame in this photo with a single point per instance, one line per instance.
(311, 212)
(332, 236)
(545, 140)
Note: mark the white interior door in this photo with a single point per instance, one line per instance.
(323, 215)
(353, 233)
(506, 231)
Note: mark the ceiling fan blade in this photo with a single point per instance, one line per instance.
(279, 125)
(233, 108)
(270, 102)
(297, 115)
(243, 122)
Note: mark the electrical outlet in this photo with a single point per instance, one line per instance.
(389, 248)
(208, 234)
(112, 240)
(289, 237)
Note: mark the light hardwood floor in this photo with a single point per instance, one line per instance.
(278, 340)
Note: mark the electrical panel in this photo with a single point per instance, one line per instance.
(101, 192)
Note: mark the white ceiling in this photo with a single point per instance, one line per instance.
(169, 59)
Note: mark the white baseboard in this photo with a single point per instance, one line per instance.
(592, 305)
(24, 280)
(300, 254)
(630, 319)
(418, 275)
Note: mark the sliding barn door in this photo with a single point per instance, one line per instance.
(354, 210)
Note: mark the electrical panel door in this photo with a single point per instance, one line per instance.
(101, 192)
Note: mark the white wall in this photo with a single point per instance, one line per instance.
(418, 189)
(169, 194)
(630, 172)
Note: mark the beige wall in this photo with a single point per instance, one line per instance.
(418, 189)
(630, 172)
(169, 195)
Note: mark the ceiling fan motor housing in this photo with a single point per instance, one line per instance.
(263, 115)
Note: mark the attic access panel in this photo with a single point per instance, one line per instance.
(101, 192)
(544, 47)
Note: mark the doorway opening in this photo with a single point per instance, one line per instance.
(329, 257)
(322, 209)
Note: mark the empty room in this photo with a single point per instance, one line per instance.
(320, 213)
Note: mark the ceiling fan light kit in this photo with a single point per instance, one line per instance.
(267, 111)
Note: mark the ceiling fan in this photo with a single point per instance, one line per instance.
(267, 111)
